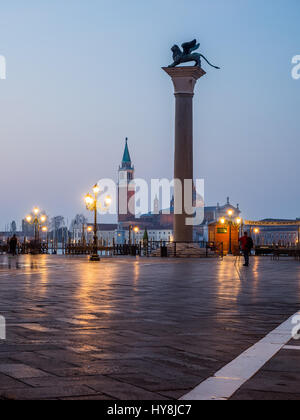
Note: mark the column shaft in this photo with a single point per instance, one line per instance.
(184, 80)
(183, 163)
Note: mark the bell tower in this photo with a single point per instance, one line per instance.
(126, 191)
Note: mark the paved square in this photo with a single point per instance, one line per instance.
(141, 328)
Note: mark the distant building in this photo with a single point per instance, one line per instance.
(158, 224)
(126, 193)
(280, 232)
(214, 213)
(27, 229)
(4, 236)
(13, 227)
(107, 234)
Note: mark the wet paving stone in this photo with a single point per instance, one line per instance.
(48, 393)
(137, 328)
(20, 371)
(279, 379)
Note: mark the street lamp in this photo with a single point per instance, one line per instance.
(92, 204)
(108, 201)
(231, 223)
(29, 219)
(135, 230)
(89, 229)
(256, 231)
(239, 222)
(38, 221)
(230, 214)
(45, 231)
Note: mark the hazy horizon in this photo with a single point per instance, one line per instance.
(82, 76)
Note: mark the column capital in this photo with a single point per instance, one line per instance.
(184, 78)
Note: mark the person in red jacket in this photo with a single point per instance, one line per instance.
(246, 245)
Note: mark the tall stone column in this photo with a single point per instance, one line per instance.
(184, 80)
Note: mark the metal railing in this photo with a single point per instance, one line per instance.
(167, 249)
(276, 251)
(26, 248)
(286, 252)
(163, 249)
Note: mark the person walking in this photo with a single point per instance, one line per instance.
(246, 245)
(13, 243)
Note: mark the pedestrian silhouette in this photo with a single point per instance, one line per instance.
(13, 243)
(247, 245)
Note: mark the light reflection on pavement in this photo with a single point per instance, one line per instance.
(133, 328)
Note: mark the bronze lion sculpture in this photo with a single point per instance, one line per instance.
(187, 54)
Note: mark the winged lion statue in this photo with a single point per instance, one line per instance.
(188, 54)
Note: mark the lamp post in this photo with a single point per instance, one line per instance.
(130, 230)
(136, 231)
(89, 231)
(230, 214)
(231, 224)
(37, 220)
(45, 231)
(256, 232)
(92, 204)
(239, 222)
